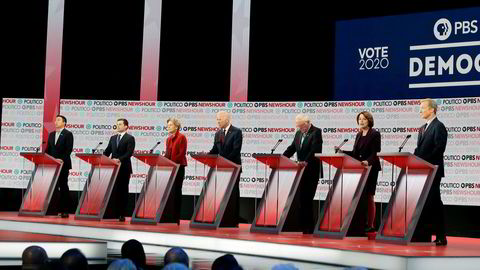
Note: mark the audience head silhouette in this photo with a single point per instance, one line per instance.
(122, 264)
(175, 266)
(73, 259)
(133, 250)
(34, 257)
(225, 262)
(177, 255)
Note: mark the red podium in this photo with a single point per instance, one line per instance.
(97, 189)
(42, 182)
(216, 191)
(275, 206)
(155, 193)
(408, 197)
(343, 196)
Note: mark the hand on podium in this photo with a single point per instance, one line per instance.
(116, 160)
(365, 163)
(59, 160)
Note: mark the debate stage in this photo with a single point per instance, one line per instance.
(461, 253)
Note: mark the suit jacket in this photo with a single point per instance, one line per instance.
(123, 152)
(368, 150)
(306, 151)
(431, 144)
(231, 147)
(62, 149)
(176, 148)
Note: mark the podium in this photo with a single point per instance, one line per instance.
(98, 188)
(156, 189)
(278, 195)
(344, 194)
(210, 208)
(408, 198)
(41, 185)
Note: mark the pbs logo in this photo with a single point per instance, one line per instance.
(443, 28)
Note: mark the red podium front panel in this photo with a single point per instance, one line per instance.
(210, 208)
(408, 197)
(98, 188)
(42, 182)
(279, 192)
(343, 196)
(156, 189)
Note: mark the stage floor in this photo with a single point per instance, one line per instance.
(461, 253)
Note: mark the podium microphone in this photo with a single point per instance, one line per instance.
(95, 149)
(276, 145)
(403, 143)
(340, 146)
(155, 146)
(38, 148)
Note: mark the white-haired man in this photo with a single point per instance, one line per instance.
(307, 142)
(228, 144)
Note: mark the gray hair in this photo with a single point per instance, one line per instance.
(229, 116)
(431, 103)
(175, 121)
(302, 117)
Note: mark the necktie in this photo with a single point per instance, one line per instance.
(118, 139)
(303, 138)
(57, 134)
(222, 136)
(422, 130)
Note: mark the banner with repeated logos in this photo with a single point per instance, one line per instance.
(263, 124)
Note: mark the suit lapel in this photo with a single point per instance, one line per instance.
(426, 132)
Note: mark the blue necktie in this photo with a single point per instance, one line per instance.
(118, 139)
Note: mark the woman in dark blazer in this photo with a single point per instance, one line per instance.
(367, 145)
(176, 151)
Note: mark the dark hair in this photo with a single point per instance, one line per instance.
(367, 115)
(74, 259)
(133, 250)
(125, 121)
(63, 118)
(226, 261)
(176, 254)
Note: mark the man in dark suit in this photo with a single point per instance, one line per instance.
(307, 142)
(60, 146)
(228, 144)
(121, 147)
(431, 144)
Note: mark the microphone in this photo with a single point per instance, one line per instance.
(276, 145)
(340, 146)
(95, 149)
(38, 148)
(404, 142)
(155, 146)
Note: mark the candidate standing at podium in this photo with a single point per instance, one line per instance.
(60, 146)
(431, 144)
(121, 147)
(306, 143)
(367, 145)
(176, 151)
(228, 144)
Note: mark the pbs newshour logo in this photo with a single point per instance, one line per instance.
(443, 28)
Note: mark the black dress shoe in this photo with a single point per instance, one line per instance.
(370, 230)
(440, 242)
(121, 219)
(64, 215)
